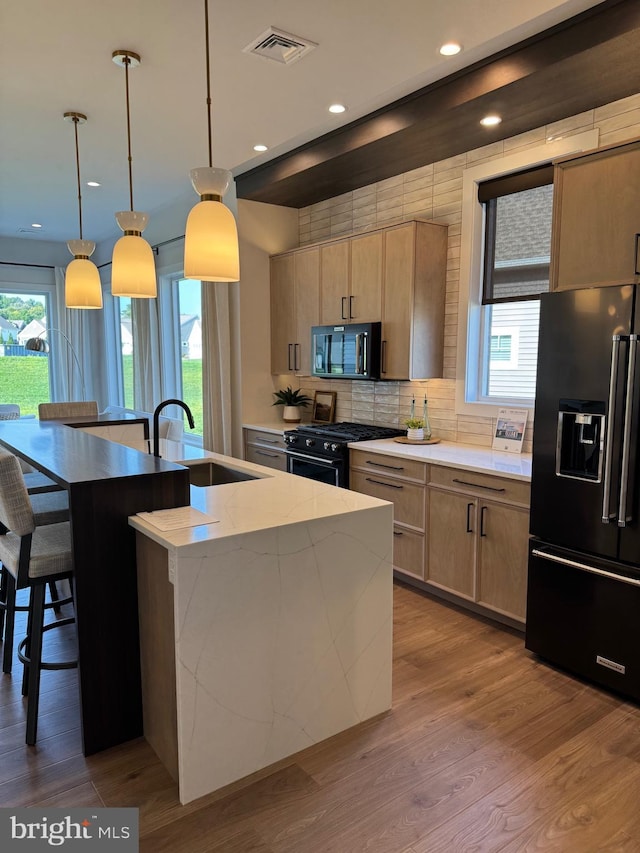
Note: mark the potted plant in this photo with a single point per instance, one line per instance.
(292, 401)
(415, 429)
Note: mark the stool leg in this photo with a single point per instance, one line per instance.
(27, 649)
(10, 615)
(53, 592)
(35, 655)
(3, 598)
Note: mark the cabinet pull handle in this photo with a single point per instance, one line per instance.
(380, 465)
(477, 485)
(268, 440)
(469, 530)
(289, 356)
(351, 307)
(482, 512)
(398, 533)
(264, 453)
(380, 483)
(383, 358)
(296, 351)
(636, 270)
(344, 299)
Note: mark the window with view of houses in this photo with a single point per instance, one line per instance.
(516, 271)
(24, 375)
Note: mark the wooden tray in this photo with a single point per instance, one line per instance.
(402, 439)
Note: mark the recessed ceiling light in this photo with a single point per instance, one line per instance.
(337, 108)
(490, 121)
(450, 48)
(259, 147)
(93, 183)
(36, 225)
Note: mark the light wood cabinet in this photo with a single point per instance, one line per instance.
(265, 448)
(414, 280)
(295, 307)
(395, 275)
(351, 280)
(596, 217)
(478, 534)
(402, 482)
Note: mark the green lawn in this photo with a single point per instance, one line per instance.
(25, 380)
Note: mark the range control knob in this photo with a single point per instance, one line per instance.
(310, 442)
(327, 445)
(335, 447)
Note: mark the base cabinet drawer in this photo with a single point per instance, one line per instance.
(266, 456)
(408, 498)
(408, 552)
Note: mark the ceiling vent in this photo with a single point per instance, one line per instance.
(29, 230)
(280, 46)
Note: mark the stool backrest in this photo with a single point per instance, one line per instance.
(16, 512)
(72, 409)
(9, 412)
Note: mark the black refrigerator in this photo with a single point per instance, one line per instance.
(583, 595)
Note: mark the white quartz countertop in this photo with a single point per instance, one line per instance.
(483, 460)
(277, 428)
(275, 499)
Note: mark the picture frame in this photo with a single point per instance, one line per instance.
(510, 427)
(324, 407)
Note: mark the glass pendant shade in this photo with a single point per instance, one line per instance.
(82, 288)
(211, 236)
(133, 270)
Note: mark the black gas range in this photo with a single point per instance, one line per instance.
(320, 451)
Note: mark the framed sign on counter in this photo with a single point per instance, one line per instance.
(324, 407)
(510, 427)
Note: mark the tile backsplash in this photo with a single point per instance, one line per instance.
(434, 192)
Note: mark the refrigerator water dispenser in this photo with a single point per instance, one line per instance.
(580, 445)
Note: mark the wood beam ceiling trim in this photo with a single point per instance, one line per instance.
(583, 63)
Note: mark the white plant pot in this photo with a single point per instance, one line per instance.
(291, 414)
(415, 434)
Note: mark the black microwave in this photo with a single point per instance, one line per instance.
(347, 351)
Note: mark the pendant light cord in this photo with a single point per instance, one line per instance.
(206, 36)
(126, 60)
(75, 127)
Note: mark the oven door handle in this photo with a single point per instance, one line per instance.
(329, 463)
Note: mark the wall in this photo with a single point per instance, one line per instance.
(434, 192)
(264, 229)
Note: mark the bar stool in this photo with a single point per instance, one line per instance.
(49, 508)
(33, 557)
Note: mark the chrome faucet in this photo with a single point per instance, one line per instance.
(156, 421)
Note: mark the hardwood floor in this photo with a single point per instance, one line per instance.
(486, 749)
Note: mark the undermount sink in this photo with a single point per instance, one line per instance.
(214, 474)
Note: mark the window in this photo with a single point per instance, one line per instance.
(499, 277)
(126, 349)
(190, 337)
(24, 375)
(517, 245)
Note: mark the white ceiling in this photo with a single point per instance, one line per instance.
(55, 56)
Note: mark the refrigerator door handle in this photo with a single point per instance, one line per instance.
(583, 567)
(624, 514)
(607, 515)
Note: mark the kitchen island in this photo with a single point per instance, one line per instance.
(266, 630)
(106, 483)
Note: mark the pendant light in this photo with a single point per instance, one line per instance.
(133, 271)
(82, 288)
(211, 236)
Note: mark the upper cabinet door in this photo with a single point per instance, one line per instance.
(365, 296)
(334, 282)
(399, 270)
(307, 313)
(596, 216)
(282, 313)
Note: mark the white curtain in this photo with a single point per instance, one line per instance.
(70, 345)
(147, 354)
(217, 367)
